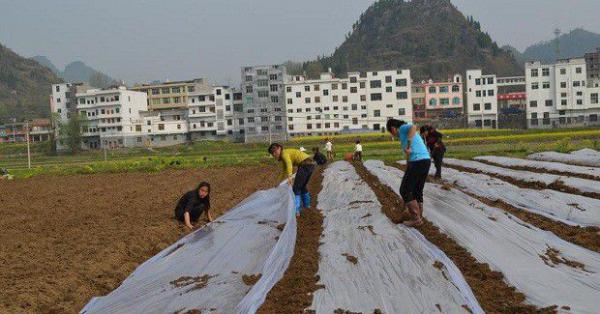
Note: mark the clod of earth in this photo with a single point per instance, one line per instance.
(198, 282)
(251, 280)
(360, 202)
(342, 311)
(369, 227)
(280, 227)
(438, 265)
(552, 258)
(365, 216)
(439, 307)
(350, 258)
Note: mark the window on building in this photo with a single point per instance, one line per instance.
(548, 102)
(456, 101)
(307, 100)
(443, 89)
(580, 101)
(594, 98)
(478, 93)
(274, 87)
(353, 79)
(444, 101)
(546, 85)
(274, 99)
(325, 92)
(432, 102)
(161, 127)
(344, 86)
(534, 85)
(344, 98)
(263, 94)
(402, 95)
(388, 79)
(273, 77)
(375, 84)
(376, 97)
(432, 89)
(487, 106)
(353, 90)
(545, 72)
(491, 92)
(334, 86)
(576, 83)
(578, 70)
(388, 89)
(476, 107)
(362, 85)
(377, 113)
(477, 81)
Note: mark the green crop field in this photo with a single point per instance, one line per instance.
(461, 144)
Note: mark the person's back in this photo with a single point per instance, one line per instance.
(418, 148)
(319, 158)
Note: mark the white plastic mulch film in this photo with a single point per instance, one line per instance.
(568, 208)
(369, 263)
(203, 271)
(583, 185)
(532, 260)
(541, 165)
(584, 157)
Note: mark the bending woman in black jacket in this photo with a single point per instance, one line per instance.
(192, 204)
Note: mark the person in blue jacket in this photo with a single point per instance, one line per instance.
(417, 168)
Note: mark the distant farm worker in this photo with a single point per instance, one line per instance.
(434, 141)
(358, 151)
(329, 149)
(306, 165)
(318, 157)
(417, 168)
(192, 204)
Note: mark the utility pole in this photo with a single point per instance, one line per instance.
(28, 150)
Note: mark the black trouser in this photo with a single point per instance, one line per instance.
(438, 157)
(358, 156)
(303, 174)
(414, 179)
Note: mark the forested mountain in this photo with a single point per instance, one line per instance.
(431, 37)
(24, 87)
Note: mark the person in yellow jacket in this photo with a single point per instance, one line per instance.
(290, 158)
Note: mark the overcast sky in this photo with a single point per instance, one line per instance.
(139, 40)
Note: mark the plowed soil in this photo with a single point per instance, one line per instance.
(490, 289)
(294, 292)
(66, 239)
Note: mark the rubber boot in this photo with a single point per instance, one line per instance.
(298, 203)
(306, 200)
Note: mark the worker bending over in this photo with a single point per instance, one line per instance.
(417, 168)
(306, 165)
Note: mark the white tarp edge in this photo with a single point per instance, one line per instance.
(204, 270)
(394, 271)
(540, 165)
(582, 185)
(574, 210)
(511, 246)
(586, 157)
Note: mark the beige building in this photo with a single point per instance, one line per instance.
(171, 95)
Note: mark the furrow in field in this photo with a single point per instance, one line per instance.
(368, 263)
(544, 267)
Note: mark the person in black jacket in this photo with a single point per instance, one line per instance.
(319, 158)
(434, 141)
(192, 204)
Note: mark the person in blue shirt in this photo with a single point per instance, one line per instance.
(417, 168)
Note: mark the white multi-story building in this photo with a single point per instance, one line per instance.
(362, 101)
(558, 94)
(210, 113)
(482, 103)
(264, 106)
(109, 115)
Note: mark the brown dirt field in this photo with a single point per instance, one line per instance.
(294, 292)
(490, 289)
(537, 170)
(67, 239)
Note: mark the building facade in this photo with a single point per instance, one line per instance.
(263, 103)
(444, 99)
(559, 94)
(482, 103)
(170, 95)
(363, 101)
(108, 115)
(418, 102)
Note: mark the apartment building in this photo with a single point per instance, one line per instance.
(170, 95)
(362, 101)
(511, 94)
(418, 102)
(263, 103)
(592, 61)
(482, 102)
(560, 94)
(211, 113)
(444, 99)
(109, 114)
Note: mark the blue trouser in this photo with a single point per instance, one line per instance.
(302, 196)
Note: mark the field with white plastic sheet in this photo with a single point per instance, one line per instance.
(500, 235)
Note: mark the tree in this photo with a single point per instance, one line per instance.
(100, 80)
(71, 132)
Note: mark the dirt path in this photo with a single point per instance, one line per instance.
(490, 289)
(294, 292)
(66, 239)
